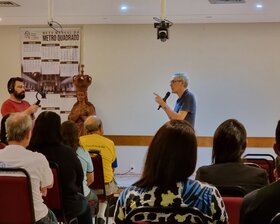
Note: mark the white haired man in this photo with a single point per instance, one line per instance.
(15, 154)
(185, 107)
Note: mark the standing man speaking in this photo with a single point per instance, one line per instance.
(185, 107)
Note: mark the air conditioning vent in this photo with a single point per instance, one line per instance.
(8, 4)
(226, 1)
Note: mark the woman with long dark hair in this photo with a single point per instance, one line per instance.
(170, 161)
(46, 139)
(70, 137)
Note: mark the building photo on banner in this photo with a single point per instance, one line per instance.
(49, 60)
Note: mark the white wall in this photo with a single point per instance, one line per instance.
(10, 52)
(233, 73)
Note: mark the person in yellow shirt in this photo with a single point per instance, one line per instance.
(94, 140)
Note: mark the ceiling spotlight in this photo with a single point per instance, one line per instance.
(124, 8)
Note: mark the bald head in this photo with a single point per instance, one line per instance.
(18, 126)
(93, 124)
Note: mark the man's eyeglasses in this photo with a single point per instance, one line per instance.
(173, 81)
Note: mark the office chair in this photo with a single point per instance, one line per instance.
(54, 196)
(275, 219)
(233, 197)
(99, 184)
(265, 161)
(16, 196)
(2, 145)
(232, 205)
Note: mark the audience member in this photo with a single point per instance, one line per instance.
(16, 103)
(276, 171)
(18, 126)
(276, 146)
(229, 144)
(70, 137)
(3, 133)
(94, 140)
(185, 108)
(170, 161)
(46, 138)
(261, 205)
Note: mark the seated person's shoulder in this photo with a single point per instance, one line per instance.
(84, 137)
(106, 141)
(66, 151)
(204, 169)
(199, 185)
(253, 169)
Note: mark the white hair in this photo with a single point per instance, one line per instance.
(183, 76)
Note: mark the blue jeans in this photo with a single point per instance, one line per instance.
(48, 219)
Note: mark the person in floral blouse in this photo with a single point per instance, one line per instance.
(170, 161)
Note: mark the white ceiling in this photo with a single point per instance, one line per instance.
(35, 12)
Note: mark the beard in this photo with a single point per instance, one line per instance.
(20, 95)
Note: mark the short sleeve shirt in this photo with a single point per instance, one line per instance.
(87, 166)
(187, 103)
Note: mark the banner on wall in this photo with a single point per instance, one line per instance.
(49, 60)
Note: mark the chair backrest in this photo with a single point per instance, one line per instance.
(16, 196)
(232, 205)
(167, 215)
(2, 145)
(231, 191)
(54, 196)
(98, 184)
(251, 164)
(275, 219)
(265, 161)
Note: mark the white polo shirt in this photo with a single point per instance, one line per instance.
(38, 168)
